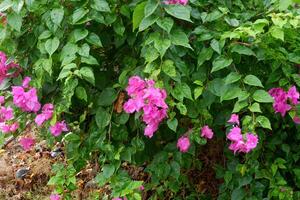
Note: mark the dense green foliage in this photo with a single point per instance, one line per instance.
(213, 58)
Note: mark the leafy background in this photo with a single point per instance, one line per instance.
(212, 57)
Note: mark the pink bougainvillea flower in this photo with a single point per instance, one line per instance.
(207, 132)
(2, 100)
(9, 128)
(235, 134)
(6, 114)
(234, 119)
(135, 84)
(27, 143)
(134, 105)
(280, 101)
(141, 188)
(172, 2)
(296, 119)
(149, 99)
(58, 128)
(54, 197)
(27, 101)
(6, 68)
(251, 143)
(47, 112)
(183, 144)
(293, 95)
(26, 81)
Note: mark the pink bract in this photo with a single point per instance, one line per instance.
(234, 118)
(183, 144)
(47, 112)
(26, 81)
(54, 197)
(58, 128)
(207, 132)
(151, 100)
(27, 143)
(293, 95)
(172, 2)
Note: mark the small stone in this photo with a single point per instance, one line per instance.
(21, 173)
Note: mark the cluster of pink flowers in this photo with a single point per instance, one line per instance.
(183, 143)
(27, 101)
(6, 115)
(238, 142)
(145, 96)
(207, 132)
(58, 128)
(54, 197)
(284, 101)
(47, 112)
(119, 198)
(8, 69)
(172, 2)
(24, 97)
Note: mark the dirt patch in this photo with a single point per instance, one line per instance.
(205, 180)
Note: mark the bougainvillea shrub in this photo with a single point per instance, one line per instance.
(199, 94)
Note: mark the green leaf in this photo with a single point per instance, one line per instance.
(146, 22)
(197, 92)
(81, 93)
(238, 194)
(284, 4)
(232, 78)
(277, 33)
(66, 71)
(175, 167)
(80, 34)
(179, 11)
(138, 15)
(88, 74)
(108, 171)
(46, 34)
(239, 105)
(186, 90)
(220, 63)
(182, 108)
(230, 93)
(107, 97)
(165, 23)
(51, 45)
(204, 55)
(161, 45)
(264, 122)
(169, 68)
(255, 108)
(57, 15)
(150, 7)
(172, 124)
(15, 21)
(84, 50)
(240, 49)
(4, 5)
(89, 60)
(102, 118)
(100, 5)
(262, 96)
(94, 40)
(178, 37)
(253, 80)
(215, 45)
(78, 15)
